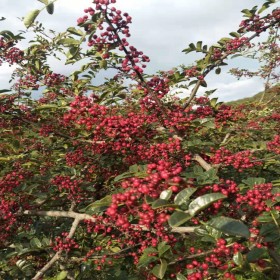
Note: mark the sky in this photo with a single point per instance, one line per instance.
(160, 28)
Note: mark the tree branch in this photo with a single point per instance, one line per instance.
(202, 162)
(57, 256)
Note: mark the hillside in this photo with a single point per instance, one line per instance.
(271, 94)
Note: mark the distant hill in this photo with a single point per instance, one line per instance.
(271, 94)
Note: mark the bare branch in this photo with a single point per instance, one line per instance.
(59, 214)
(202, 162)
(57, 256)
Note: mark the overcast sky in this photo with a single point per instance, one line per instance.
(160, 28)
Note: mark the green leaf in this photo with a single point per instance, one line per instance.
(75, 31)
(161, 203)
(264, 7)
(103, 64)
(35, 243)
(178, 218)
(145, 259)
(218, 71)
(238, 259)
(203, 83)
(123, 176)
(115, 249)
(180, 276)
(50, 8)
(46, 2)
(190, 48)
(98, 205)
(234, 34)
(204, 201)
(198, 46)
(163, 248)
(61, 275)
(246, 13)
(255, 254)
(213, 102)
(253, 181)
(160, 269)
(183, 196)
(230, 226)
(68, 42)
(30, 18)
(4, 90)
(166, 194)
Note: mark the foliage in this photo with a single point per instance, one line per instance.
(123, 181)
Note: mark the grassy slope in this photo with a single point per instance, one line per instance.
(271, 94)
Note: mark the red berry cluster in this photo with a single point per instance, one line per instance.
(64, 243)
(72, 186)
(217, 54)
(10, 54)
(158, 85)
(274, 145)
(254, 24)
(75, 158)
(226, 114)
(53, 79)
(46, 130)
(7, 217)
(27, 82)
(192, 72)
(237, 43)
(256, 198)
(161, 176)
(115, 26)
(240, 160)
(9, 201)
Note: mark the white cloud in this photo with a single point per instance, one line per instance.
(237, 89)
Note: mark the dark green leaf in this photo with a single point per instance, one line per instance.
(238, 259)
(146, 258)
(35, 243)
(163, 248)
(50, 8)
(230, 226)
(253, 181)
(218, 71)
(183, 196)
(99, 205)
(160, 269)
(180, 276)
(198, 46)
(178, 218)
(4, 90)
(255, 254)
(161, 203)
(203, 202)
